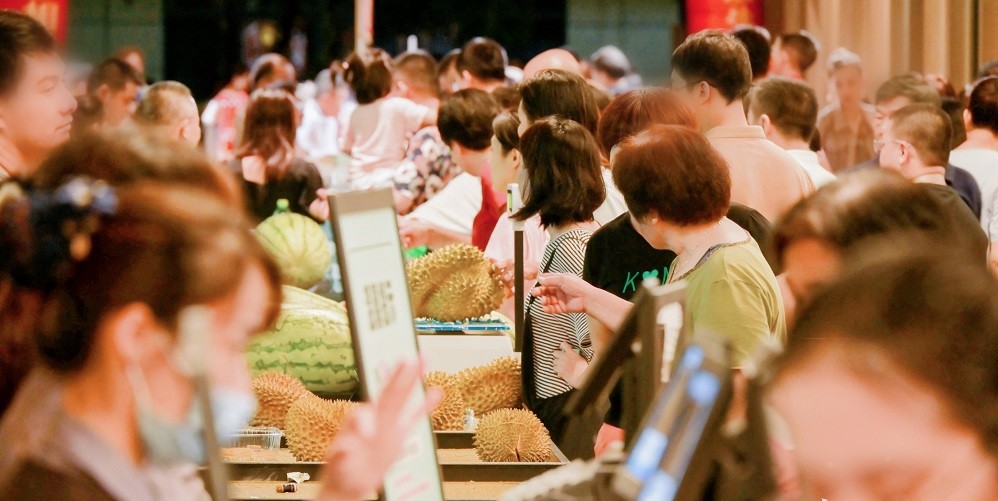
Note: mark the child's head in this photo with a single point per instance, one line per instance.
(561, 178)
(369, 73)
(465, 124)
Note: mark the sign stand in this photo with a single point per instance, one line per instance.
(513, 204)
(381, 325)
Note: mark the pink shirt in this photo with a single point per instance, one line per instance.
(763, 175)
(500, 247)
(378, 137)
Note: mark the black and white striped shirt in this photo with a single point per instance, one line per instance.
(566, 254)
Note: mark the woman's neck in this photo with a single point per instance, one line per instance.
(100, 398)
(557, 231)
(980, 139)
(692, 242)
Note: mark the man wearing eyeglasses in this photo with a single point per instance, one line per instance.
(908, 89)
(711, 73)
(916, 144)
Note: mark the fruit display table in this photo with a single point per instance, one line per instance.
(465, 476)
(453, 353)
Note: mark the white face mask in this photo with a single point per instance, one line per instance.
(167, 442)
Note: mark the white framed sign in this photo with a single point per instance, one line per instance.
(377, 298)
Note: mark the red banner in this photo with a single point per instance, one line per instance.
(722, 14)
(51, 13)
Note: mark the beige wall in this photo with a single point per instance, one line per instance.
(895, 36)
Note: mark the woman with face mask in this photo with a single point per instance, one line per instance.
(154, 273)
(144, 275)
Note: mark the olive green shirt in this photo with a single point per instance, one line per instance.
(732, 292)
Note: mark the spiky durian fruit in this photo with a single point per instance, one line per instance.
(449, 415)
(493, 386)
(454, 283)
(275, 392)
(312, 423)
(512, 436)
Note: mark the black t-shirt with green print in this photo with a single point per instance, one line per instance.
(618, 258)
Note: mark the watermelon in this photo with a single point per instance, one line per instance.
(311, 342)
(298, 245)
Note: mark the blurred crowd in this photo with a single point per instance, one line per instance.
(855, 229)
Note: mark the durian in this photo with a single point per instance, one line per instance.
(493, 386)
(454, 283)
(275, 392)
(311, 425)
(512, 436)
(449, 415)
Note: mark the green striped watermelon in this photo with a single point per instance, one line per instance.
(298, 245)
(311, 341)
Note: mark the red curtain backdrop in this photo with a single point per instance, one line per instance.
(51, 13)
(722, 14)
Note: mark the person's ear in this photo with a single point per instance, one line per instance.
(766, 124)
(103, 92)
(132, 332)
(401, 89)
(516, 159)
(703, 91)
(968, 120)
(466, 75)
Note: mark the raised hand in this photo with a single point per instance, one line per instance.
(561, 293)
(373, 436)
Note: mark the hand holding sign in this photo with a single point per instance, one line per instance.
(373, 436)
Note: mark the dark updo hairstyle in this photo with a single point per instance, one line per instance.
(111, 220)
(505, 129)
(564, 177)
(369, 74)
(924, 315)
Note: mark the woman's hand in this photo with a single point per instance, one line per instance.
(319, 208)
(561, 293)
(507, 272)
(570, 365)
(373, 437)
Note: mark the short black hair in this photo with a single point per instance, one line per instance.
(465, 118)
(717, 58)
(564, 176)
(792, 105)
(19, 35)
(758, 46)
(484, 58)
(983, 104)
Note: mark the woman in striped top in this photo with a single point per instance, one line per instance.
(562, 183)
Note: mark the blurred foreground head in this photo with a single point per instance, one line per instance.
(889, 384)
